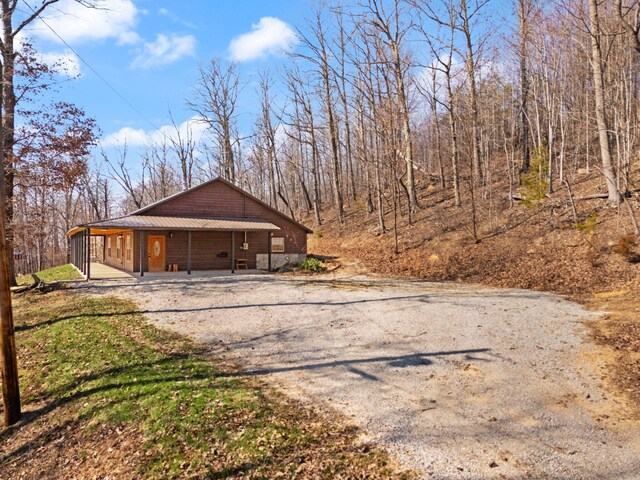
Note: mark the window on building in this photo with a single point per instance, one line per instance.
(108, 246)
(128, 246)
(277, 244)
(118, 246)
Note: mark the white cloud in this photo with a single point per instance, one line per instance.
(194, 127)
(76, 23)
(129, 38)
(270, 36)
(64, 63)
(140, 138)
(165, 50)
(127, 135)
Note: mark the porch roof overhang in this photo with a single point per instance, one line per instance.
(148, 222)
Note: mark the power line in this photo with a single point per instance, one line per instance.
(104, 80)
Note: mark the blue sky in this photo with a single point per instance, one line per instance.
(150, 50)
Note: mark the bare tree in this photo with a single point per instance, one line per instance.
(629, 15)
(159, 174)
(267, 138)
(524, 11)
(599, 92)
(470, 66)
(303, 120)
(121, 173)
(442, 49)
(183, 146)
(341, 82)
(216, 96)
(316, 44)
(97, 192)
(393, 31)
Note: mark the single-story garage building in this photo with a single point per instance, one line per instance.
(213, 226)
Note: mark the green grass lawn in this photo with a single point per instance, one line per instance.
(56, 274)
(104, 389)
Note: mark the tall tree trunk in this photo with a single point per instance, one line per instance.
(406, 127)
(473, 91)
(9, 365)
(524, 82)
(453, 130)
(345, 107)
(599, 92)
(229, 160)
(8, 125)
(10, 386)
(315, 169)
(436, 129)
(335, 158)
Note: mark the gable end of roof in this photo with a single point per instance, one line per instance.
(229, 184)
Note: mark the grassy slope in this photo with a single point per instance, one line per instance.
(107, 394)
(56, 274)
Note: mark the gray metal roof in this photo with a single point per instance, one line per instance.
(148, 222)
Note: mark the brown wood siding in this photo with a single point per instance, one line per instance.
(205, 249)
(220, 200)
(258, 243)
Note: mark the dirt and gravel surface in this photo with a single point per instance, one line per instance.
(455, 380)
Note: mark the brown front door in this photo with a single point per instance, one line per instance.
(156, 253)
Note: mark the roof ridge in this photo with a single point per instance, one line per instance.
(230, 184)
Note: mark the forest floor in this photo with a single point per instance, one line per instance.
(589, 256)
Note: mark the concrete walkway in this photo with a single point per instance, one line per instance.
(100, 271)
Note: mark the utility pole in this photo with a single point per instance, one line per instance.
(10, 387)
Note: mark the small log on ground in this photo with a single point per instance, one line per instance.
(593, 197)
(38, 285)
(518, 197)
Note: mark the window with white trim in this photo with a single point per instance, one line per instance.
(128, 246)
(277, 244)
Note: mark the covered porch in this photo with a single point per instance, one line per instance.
(147, 244)
(100, 271)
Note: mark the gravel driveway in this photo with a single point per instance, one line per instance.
(456, 381)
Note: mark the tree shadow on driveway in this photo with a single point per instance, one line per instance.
(396, 361)
(240, 306)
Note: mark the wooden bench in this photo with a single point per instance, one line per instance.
(242, 263)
